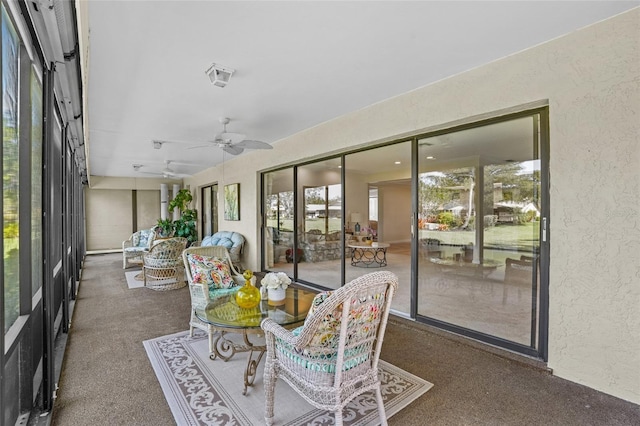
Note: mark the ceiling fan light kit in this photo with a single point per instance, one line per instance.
(219, 75)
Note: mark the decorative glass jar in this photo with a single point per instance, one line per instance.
(248, 296)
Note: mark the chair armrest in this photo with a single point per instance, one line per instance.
(127, 243)
(270, 326)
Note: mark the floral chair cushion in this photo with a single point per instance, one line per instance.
(318, 355)
(213, 272)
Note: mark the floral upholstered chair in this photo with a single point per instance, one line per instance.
(162, 266)
(136, 246)
(209, 271)
(333, 357)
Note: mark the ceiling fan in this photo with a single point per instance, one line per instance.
(167, 172)
(233, 143)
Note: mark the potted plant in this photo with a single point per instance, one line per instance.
(185, 226)
(164, 228)
(275, 285)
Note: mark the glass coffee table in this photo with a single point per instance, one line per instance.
(224, 314)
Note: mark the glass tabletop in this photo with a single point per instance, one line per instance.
(223, 311)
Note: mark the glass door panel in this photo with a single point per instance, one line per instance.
(320, 223)
(278, 227)
(478, 229)
(378, 208)
(209, 210)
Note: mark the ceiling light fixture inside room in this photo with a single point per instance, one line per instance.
(157, 144)
(219, 75)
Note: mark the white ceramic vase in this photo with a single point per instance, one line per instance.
(276, 295)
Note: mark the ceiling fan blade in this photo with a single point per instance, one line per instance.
(230, 137)
(211, 144)
(254, 144)
(233, 150)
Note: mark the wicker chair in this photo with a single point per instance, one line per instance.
(200, 293)
(138, 244)
(162, 267)
(333, 357)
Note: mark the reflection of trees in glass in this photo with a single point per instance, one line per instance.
(279, 207)
(516, 185)
(440, 191)
(314, 195)
(10, 175)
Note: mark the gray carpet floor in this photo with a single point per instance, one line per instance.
(107, 379)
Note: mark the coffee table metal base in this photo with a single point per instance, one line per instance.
(370, 257)
(225, 349)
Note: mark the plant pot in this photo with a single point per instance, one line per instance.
(276, 296)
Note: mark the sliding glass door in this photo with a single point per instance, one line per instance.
(479, 229)
(319, 224)
(456, 214)
(378, 206)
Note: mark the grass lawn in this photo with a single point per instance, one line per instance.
(523, 236)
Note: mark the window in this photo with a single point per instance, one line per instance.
(10, 171)
(36, 183)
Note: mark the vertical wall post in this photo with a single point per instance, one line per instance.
(164, 201)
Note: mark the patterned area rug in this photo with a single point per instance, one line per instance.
(205, 392)
(132, 280)
(135, 279)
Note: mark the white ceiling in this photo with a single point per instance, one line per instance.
(298, 64)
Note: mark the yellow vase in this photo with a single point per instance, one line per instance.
(248, 296)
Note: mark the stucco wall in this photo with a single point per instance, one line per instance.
(590, 80)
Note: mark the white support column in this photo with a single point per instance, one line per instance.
(164, 201)
(176, 212)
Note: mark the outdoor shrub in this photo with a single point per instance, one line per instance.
(447, 218)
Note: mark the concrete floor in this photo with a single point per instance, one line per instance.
(107, 379)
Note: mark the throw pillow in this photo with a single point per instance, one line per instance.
(363, 318)
(328, 333)
(211, 271)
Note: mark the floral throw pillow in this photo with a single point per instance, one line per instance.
(211, 271)
(327, 334)
(363, 318)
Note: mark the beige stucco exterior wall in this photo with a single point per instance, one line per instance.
(590, 79)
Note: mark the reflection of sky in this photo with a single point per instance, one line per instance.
(335, 191)
(526, 168)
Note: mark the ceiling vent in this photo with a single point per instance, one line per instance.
(219, 75)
